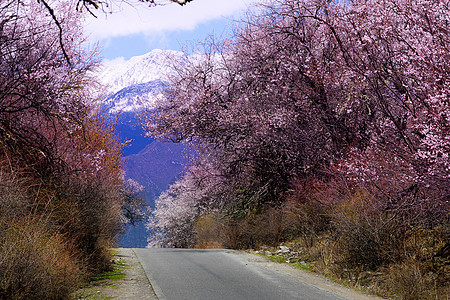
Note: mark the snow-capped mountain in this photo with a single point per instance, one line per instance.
(119, 73)
(136, 83)
(135, 97)
(129, 87)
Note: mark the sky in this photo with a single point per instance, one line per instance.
(136, 29)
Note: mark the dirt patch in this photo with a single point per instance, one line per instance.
(130, 282)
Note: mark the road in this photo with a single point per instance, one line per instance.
(198, 274)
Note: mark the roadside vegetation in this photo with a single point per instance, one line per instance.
(99, 283)
(322, 125)
(62, 195)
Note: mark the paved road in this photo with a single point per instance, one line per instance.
(195, 274)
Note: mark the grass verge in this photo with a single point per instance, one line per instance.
(98, 282)
(293, 262)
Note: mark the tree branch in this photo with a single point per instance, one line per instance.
(58, 24)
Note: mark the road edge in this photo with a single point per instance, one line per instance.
(155, 287)
(313, 279)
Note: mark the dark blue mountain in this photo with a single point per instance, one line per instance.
(155, 167)
(130, 131)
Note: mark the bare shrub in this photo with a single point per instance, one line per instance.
(372, 241)
(89, 215)
(270, 226)
(60, 166)
(306, 211)
(231, 233)
(253, 229)
(13, 200)
(35, 263)
(207, 231)
(410, 281)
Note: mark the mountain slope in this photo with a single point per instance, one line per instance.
(155, 167)
(155, 65)
(130, 87)
(135, 97)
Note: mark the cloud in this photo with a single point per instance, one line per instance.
(140, 19)
(111, 63)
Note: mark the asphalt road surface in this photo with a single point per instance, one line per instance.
(198, 274)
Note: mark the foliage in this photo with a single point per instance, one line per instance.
(312, 89)
(40, 94)
(62, 191)
(362, 246)
(324, 121)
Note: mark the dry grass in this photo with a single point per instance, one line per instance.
(51, 238)
(35, 263)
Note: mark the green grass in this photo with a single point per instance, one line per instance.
(93, 291)
(275, 258)
(302, 265)
(305, 266)
(116, 274)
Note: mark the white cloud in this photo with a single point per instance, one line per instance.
(141, 19)
(111, 63)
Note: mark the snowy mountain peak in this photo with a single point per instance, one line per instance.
(119, 73)
(135, 97)
(133, 84)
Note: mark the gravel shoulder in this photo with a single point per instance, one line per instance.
(311, 278)
(133, 284)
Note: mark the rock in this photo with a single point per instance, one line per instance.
(284, 249)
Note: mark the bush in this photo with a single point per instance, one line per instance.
(207, 232)
(59, 227)
(35, 263)
(371, 243)
(408, 281)
(306, 211)
(61, 175)
(366, 236)
(354, 234)
(89, 215)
